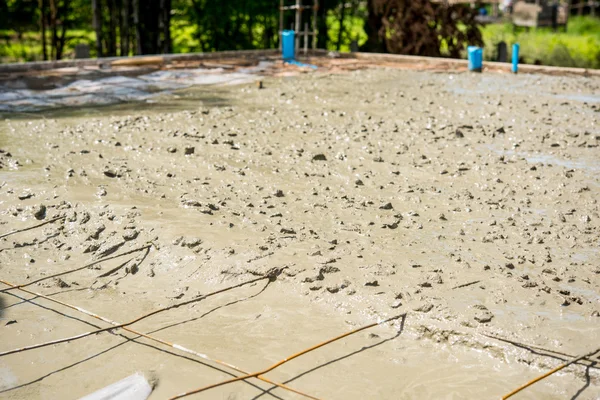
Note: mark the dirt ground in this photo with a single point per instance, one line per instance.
(467, 202)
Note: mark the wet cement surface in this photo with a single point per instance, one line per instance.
(468, 202)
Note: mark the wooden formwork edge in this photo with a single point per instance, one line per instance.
(445, 62)
(442, 63)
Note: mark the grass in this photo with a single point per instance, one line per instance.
(578, 47)
(27, 46)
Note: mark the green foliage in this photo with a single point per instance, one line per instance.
(185, 37)
(27, 46)
(209, 25)
(578, 47)
(353, 27)
(584, 26)
(227, 25)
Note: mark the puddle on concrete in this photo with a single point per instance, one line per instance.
(592, 165)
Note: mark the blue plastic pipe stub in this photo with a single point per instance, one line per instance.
(515, 58)
(288, 45)
(475, 55)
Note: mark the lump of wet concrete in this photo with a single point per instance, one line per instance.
(26, 196)
(132, 268)
(190, 242)
(189, 150)
(39, 212)
(393, 225)
(424, 308)
(61, 284)
(130, 234)
(96, 231)
(171, 149)
(482, 315)
(91, 248)
(336, 288)
(85, 217)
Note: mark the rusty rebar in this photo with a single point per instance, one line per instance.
(547, 374)
(158, 340)
(285, 360)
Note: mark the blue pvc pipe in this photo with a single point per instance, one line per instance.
(287, 45)
(475, 55)
(515, 58)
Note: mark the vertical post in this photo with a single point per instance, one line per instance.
(42, 6)
(297, 25)
(314, 38)
(280, 24)
(124, 31)
(305, 39)
(502, 55)
(165, 18)
(97, 24)
(515, 58)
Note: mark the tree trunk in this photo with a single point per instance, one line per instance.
(165, 12)
(112, 28)
(373, 27)
(268, 32)
(42, 5)
(125, 17)
(322, 37)
(138, 28)
(341, 31)
(97, 22)
(63, 20)
(53, 29)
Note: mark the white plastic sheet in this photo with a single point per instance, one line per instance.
(134, 387)
(116, 89)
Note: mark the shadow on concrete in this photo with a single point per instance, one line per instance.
(135, 340)
(362, 349)
(588, 381)
(191, 98)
